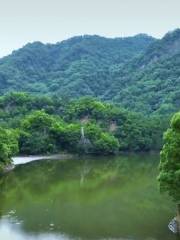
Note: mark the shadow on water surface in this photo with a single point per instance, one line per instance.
(86, 198)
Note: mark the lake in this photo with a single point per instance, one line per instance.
(85, 198)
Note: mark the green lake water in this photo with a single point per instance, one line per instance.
(86, 198)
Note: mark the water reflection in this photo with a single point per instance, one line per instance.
(9, 230)
(96, 198)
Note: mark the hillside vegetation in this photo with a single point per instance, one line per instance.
(122, 91)
(44, 125)
(139, 73)
(76, 67)
(150, 83)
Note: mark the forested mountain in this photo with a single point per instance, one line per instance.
(75, 67)
(151, 82)
(139, 73)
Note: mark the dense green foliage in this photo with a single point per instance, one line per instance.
(139, 73)
(135, 73)
(169, 176)
(150, 82)
(51, 125)
(8, 146)
(77, 67)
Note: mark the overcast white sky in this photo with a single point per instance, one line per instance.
(23, 21)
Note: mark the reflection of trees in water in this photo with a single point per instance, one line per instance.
(1, 196)
(78, 195)
(86, 168)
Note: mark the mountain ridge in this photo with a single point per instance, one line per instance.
(135, 72)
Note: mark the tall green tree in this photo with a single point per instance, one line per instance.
(169, 175)
(37, 135)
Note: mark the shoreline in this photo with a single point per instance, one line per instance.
(30, 158)
(18, 160)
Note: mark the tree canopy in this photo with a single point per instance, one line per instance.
(169, 176)
(52, 124)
